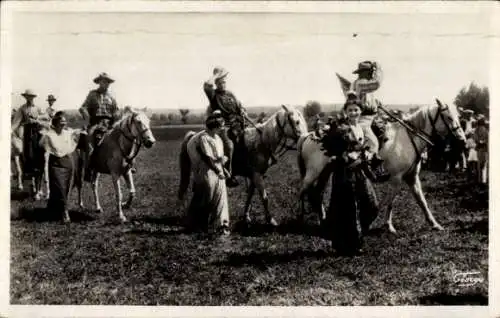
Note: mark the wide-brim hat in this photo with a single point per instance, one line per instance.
(28, 92)
(363, 66)
(221, 71)
(51, 97)
(104, 76)
(468, 111)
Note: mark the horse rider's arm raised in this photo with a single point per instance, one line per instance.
(209, 88)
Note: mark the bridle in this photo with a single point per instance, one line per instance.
(283, 147)
(434, 133)
(136, 141)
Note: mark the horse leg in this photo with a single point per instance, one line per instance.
(416, 189)
(95, 187)
(19, 171)
(259, 184)
(248, 203)
(129, 180)
(118, 196)
(46, 175)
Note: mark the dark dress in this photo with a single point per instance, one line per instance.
(353, 202)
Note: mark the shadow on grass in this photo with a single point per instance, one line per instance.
(289, 227)
(164, 220)
(41, 215)
(454, 300)
(16, 195)
(479, 227)
(262, 260)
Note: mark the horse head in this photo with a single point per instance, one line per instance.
(139, 127)
(445, 121)
(291, 122)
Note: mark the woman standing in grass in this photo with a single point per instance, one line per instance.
(353, 202)
(60, 142)
(209, 210)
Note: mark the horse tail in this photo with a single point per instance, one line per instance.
(185, 164)
(300, 158)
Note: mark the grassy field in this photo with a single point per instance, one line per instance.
(151, 261)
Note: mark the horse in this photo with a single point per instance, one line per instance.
(259, 143)
(401, 152)
(39, 159)
(118, 147)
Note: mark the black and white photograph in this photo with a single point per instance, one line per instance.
(247, 154)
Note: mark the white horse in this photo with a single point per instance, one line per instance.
(287, 123)
(16, 140)
(402, 154)
(118, 147)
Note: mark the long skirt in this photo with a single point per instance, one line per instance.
(352, 209)
(208, 210)
(61, 178)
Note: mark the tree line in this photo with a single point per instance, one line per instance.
(472, 97)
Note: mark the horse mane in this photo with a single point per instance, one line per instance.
(418, 118)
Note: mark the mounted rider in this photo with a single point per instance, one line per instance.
(233, 112)
(100, 110)
(362, 89)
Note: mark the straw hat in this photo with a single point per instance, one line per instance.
(104, 76)
(364, 66)
(51, 98)
(28, 93)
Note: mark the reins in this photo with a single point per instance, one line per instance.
(136, 141)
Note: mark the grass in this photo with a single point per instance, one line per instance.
(151, 261)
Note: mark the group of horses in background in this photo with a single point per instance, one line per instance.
(402, 153)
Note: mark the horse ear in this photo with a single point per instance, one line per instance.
(439, 103)
(285, 108)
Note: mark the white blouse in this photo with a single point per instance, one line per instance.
(61, 144)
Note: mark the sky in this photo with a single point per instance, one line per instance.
(160, 60)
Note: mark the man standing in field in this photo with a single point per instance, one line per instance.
(50, 109)
(362, 89)
(231, 109)
(100, 110)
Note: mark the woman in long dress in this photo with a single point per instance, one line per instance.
(60, 142)
(209, 210)
(353, 203)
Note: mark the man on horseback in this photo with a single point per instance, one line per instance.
(232, 111)
(362, 89)
(100, 110)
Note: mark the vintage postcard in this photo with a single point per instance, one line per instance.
(241, 159)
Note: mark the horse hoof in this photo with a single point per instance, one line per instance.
(438, 227)
(272, 222)
(37, 197)
(67, 220)
(20, 188)
(123, 219)
(99, 210)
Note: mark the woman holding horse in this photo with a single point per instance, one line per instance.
(60, 142)
(209, 210)
(354, 204)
